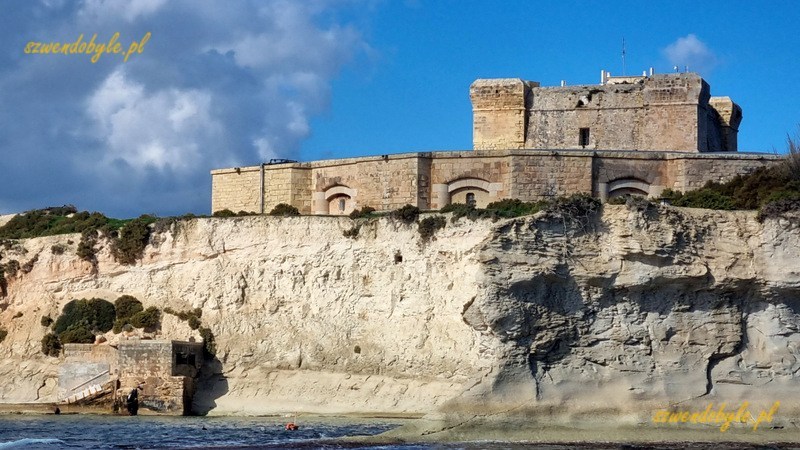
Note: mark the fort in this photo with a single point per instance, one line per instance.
(627, 135)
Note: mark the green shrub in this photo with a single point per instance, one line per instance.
(750, 191)
(194, 322)
(18, 315)
(282, 209)
(3, 334)
(460, 210)
(58, 249)
(224, 213)
(126, 306)
(428, 226)
(352, 232)
(621, 200)
(51, 345)
(209, 342)
(53, 221)
(149, 318)
(576, 211)
(28, 266)
(94, 313)
(119, 325)
(192, 316)
(364, 212)
(407, 214)
(86, 250)
(129, 246)
(514, 207)
(77, 334)
(707, 198)
(46, 321)
(11, 268)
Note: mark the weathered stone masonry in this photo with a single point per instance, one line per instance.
(628, 135)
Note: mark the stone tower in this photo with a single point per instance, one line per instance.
(665, 112)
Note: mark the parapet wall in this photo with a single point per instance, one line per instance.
(433, 180)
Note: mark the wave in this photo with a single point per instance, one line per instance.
(30, 442)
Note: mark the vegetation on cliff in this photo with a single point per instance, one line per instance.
(81, 320)
(127, 238)
(773, 190)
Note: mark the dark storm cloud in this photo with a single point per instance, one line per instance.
(218, 84)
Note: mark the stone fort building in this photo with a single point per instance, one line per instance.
(627, 135)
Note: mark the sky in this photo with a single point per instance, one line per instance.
(212, 84)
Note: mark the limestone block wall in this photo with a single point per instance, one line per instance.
(300, 195)
(730, 116)
(695, 172)
(499, 116)
(448, 168)
(236, 189)
(381, 182)
(669, 112)
(613, 115)
(654, 170)
(433, 180)
(143, 358)
(288, 184)
(542, 175)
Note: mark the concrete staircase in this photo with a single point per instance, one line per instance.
(91, 392)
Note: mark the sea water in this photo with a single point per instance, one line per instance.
(142, 432)
(67, 431)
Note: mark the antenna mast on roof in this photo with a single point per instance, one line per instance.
(623, 56)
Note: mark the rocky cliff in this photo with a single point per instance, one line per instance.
(635, 309)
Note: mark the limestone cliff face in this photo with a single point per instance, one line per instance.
(629, 311)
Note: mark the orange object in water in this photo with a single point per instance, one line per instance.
(291, 426)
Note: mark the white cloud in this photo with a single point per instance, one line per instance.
(220, 84)
(692, 52)
(167, 129)
(129, 10)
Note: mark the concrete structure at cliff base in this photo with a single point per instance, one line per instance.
(627, 135)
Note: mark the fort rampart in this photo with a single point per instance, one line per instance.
(433, 180)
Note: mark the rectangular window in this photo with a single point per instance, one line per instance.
(583, 137)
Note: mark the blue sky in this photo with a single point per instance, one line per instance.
(233, 83)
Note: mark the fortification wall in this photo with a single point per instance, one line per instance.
(447, 168)
(694, 173)
(433, 180)
(541, 176)
(236, 189)
(381, 182)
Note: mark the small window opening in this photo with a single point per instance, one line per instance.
(583, 137)
(342, 204)
(470, 199)
(185, 358)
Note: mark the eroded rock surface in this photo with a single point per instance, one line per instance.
(633, 310)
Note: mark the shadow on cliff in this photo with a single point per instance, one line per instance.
(551, 304)
(211, 385)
